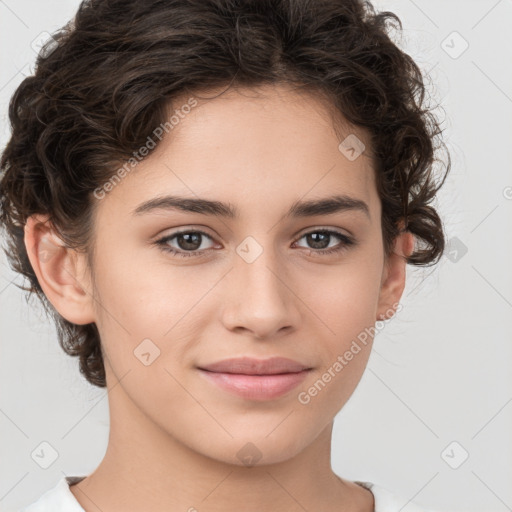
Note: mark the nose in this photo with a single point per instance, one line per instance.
(259, 298)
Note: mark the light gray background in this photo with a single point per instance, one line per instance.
(440, 370)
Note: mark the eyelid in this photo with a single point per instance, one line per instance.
(316, 229)
(196, 228)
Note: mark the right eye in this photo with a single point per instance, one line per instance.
(188, 243)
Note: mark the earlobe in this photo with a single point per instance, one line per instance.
(393, 281)
(61, 271)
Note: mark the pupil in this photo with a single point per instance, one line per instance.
(192, 241)
(318, 244)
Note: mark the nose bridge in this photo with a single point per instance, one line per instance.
(259, 300)
(256, 267)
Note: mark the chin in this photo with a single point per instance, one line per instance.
(252, 448)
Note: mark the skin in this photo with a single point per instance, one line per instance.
(272, 148)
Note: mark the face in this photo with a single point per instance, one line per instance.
(265, 271)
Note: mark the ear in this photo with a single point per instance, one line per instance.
(62, 272)
(393, 276)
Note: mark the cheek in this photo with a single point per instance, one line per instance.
(343, 308)
(145, 298)
(150, 314)
(344, 302)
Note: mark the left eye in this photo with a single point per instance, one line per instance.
(321, 239)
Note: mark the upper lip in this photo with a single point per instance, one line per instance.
(250, 366)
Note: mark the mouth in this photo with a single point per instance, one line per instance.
(255, 379)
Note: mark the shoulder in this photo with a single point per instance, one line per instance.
(388, 501)
(57, 499)
(60, 499)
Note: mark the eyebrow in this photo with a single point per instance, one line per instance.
(310, 208)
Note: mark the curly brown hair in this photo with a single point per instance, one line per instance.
(109, 78)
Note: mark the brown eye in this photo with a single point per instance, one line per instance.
(185, 243)
(320, 241)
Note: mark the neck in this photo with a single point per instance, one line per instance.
(145, 468)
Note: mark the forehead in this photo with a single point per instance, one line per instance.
(261, 146)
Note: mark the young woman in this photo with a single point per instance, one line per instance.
(217, 201)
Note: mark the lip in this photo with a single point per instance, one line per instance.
(256, 379)
(251, 366)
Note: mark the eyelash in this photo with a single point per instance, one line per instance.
(346, 242)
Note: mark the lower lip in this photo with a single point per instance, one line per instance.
(256, 387)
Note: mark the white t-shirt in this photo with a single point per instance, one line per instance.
(61, 499)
